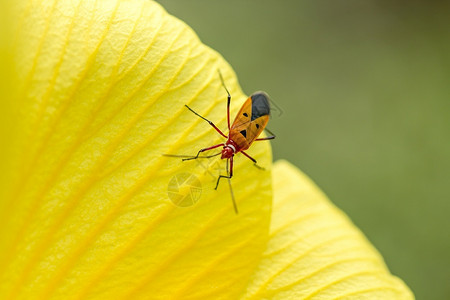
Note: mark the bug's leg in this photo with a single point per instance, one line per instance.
(266, 138)
(271, 137)
(253, 160)
(228, 99)
(230, 174)
(202, 150)
(209, 122)
(232, 194)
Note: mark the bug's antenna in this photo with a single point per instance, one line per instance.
(228, 98)
(210, 123)
(189, 157)
(223, 82)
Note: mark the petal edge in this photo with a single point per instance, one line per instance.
(315, 252)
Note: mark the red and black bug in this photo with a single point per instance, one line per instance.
(250, 121)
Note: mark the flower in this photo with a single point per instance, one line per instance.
(97, 95)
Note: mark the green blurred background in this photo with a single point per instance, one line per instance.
(365, 89)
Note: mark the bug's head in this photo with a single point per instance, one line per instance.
(227, 152)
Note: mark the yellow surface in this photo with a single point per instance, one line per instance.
(87, 208)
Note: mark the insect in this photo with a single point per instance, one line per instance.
(248, 124)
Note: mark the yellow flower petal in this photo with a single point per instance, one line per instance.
(315, 252)
(102, 91)
(6, 104)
